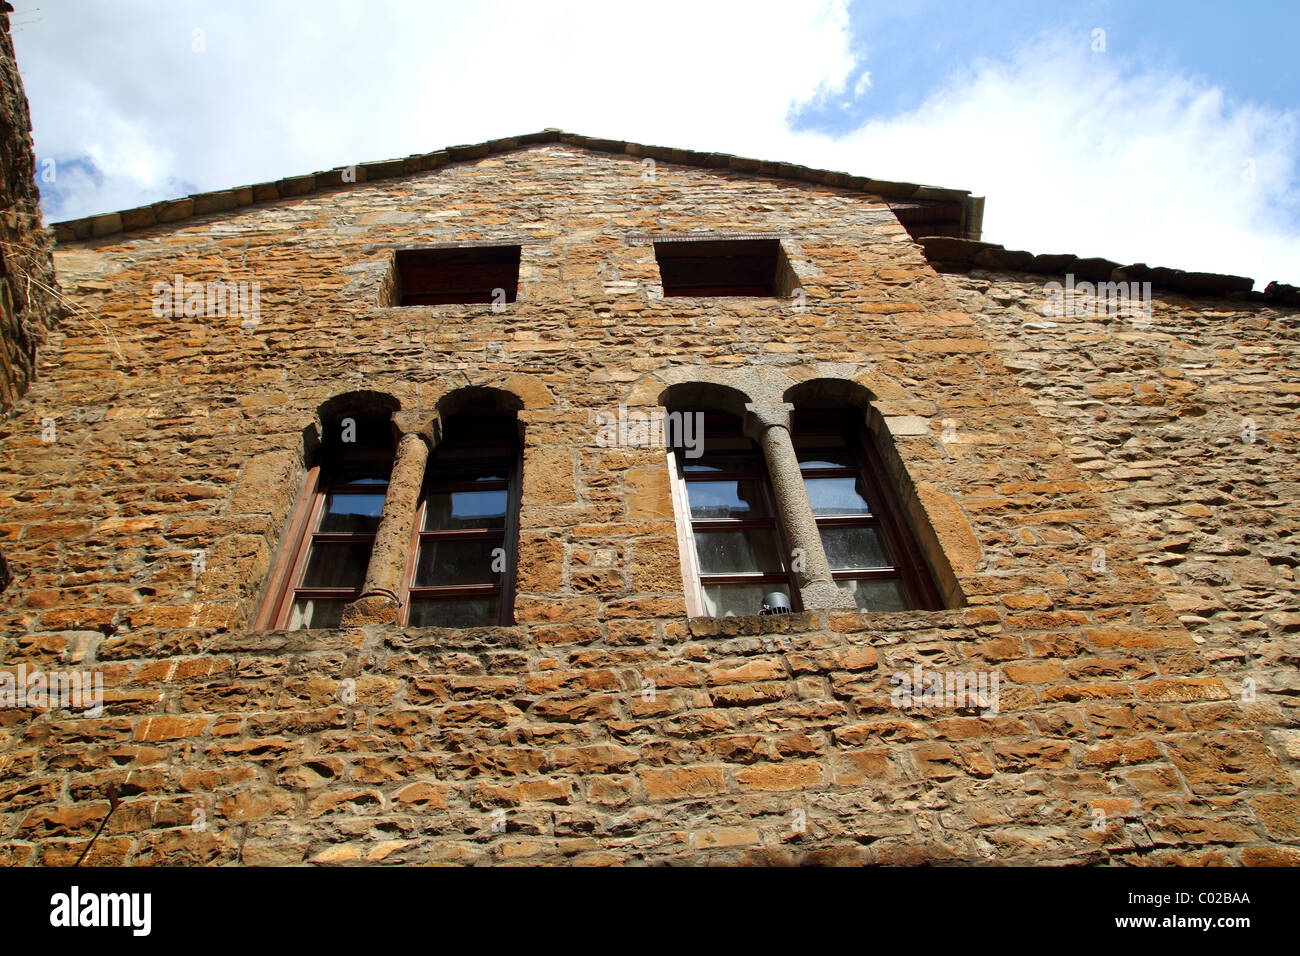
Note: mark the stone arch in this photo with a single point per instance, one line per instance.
(758, 383)
(474, 399)
(528, 390)
(880, 386)
(724, 398)
(362, 403)
(477, 398)
(829, 393)
(501, 393)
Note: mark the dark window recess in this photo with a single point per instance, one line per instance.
(448, 276)
(723, 267)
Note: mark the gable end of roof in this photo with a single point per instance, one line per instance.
(929, 209)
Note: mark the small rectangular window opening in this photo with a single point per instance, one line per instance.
(473, 274)
(724, 267)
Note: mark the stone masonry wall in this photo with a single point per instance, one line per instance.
(28, 306)
(1189, 432)
(767, 740)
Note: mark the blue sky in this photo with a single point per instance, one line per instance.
(1250, 49)
(1176, 142)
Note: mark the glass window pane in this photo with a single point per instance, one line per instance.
(824, 457)
(463, 465)
(837, 496)
(848, 548)
(351, 512)
(336, 565)
(878, 595)
(726, 499)
(738, 600)
(722, 462)
(445, 563)
(315, 613)
(451, 510)
(343, 476)
(737, 552)
(454, 612)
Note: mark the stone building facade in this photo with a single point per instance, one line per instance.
(28, 299)
(29, 304)
(1096, 537)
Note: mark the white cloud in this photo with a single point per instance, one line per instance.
(1076, 152)
(1079, 152)
(283, 89)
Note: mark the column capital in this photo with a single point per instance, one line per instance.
(417, 422)
(760, 416)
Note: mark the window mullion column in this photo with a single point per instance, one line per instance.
(380, 600)
(769, 425)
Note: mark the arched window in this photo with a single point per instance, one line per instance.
(333, 531)
(466, 530)
(733, 550)
(420, 529)
(788, 496)
(869, 548)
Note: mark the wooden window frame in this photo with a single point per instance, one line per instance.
(508, 535)
(292, 562)
(693, 579)
(908, 563)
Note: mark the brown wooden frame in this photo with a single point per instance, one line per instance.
(269, 616)
(292, 562)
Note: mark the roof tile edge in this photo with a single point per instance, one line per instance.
(169, 211)
(965, 255)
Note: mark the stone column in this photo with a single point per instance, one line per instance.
(380, 600)
(769, 425)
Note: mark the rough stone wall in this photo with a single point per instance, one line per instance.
(767, 740)
(27, 300)
(1188, 431)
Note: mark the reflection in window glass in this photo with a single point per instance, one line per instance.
(454, 612)
(461, 566)
(855, 514)
(737, 552)
(346, 511)
(449, 510)
(734, 540)
(810, 458)
(883, 594)
(837, 496)
(721, 462)
(315, 612)
(452, 563)
(337, 565)
(738, 600)
(854, 548)
(726, 499)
